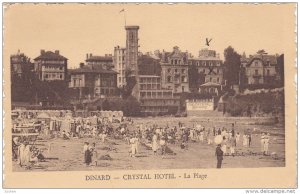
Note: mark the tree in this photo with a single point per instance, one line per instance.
(131, 107)
(261, 52)
(130, 83)
(232, 65)
(280, 68)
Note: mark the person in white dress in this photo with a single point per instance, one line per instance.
(262, 142)
(237, 138)
(154, 143)
(133, 144)
(266, 144)
(245, 140)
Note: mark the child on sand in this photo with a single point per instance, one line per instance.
(133, 144)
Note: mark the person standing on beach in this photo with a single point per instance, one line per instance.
(87, 154)
(219, 154)
(262, 142)
(94, 158)
(266, 144)
(154, 143)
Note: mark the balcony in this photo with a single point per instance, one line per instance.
(256, 76)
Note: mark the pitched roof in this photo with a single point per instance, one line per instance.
(265, 58)
(50, 55)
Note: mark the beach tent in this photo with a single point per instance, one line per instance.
(44, 117)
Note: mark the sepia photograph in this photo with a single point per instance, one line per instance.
(94, 87)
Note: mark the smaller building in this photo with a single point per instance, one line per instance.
(155, 100)
(103, 62)
(20, 65)
(260, 69)
(51, 66)
(93, 82)
(210, 88)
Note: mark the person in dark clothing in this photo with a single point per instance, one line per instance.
(249, 140)
(219, 131)
(87, 154)
(219, 154)
(232, 130)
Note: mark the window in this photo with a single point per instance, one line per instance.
(218, 80)
(256, 63)
(169, 79)
(176, 70)
(183, 70)
(183, 79)
(210, 79)
(60, 76)
(256, 71)
(182, 88)
(268, 72)
(169, 70)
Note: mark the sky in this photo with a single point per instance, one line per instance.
(77, 29)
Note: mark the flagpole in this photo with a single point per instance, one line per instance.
(125, 17)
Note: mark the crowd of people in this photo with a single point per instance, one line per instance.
(159, 139)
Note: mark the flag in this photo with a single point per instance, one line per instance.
(122, 10)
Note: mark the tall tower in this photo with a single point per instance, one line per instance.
(131, 59)
(132, 49)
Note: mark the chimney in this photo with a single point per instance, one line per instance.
(81, 65)
(91, 55)
(57, 52)
(42, 52)
(87, 56)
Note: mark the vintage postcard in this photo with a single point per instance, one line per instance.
(126, 95)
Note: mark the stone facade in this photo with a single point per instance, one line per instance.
(51, 66)
(93, 83)
(260, 69)
(174, 70)
(154, 99)
(208, 65)
(119, 65)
